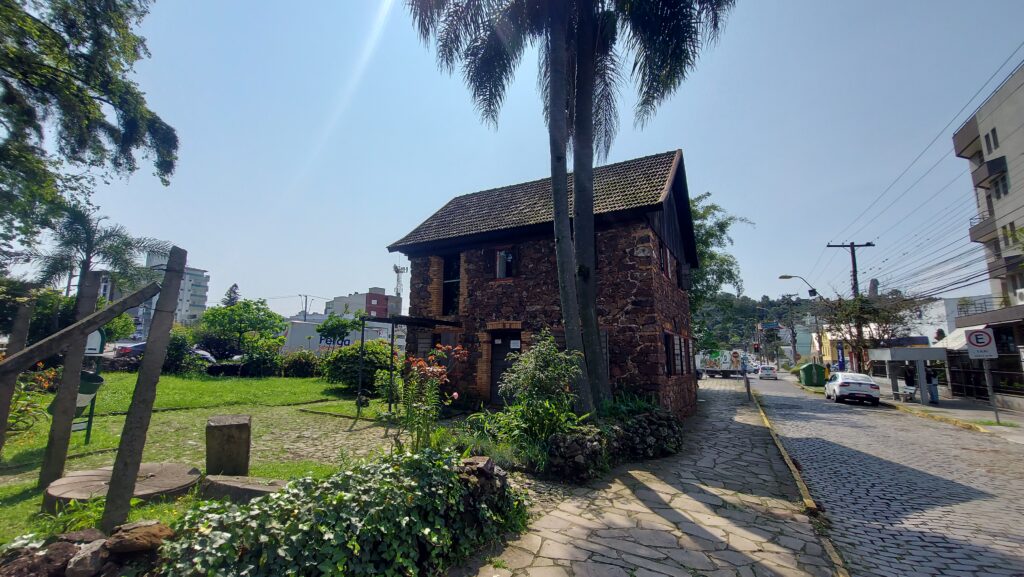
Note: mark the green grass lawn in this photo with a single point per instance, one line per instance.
(203, 391)
(175, 435)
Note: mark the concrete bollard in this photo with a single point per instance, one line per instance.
(228, 438)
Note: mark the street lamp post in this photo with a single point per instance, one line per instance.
(812, 292)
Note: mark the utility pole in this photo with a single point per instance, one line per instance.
(852, 247)
(792, 325)
(305, 306)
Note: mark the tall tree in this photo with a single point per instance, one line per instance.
(247, 317)
(488, 41)
(665, 37)
(231, 297)
(81, 242)
(65, 72)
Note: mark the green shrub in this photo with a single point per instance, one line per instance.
(541, 373)
(179, 359)
(262, 356)
(539, 401)
(627, 405)
(300, 364)
(406, 514)
(342, 366)
(219, 346)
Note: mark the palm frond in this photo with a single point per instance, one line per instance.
(607, 79)
(491, 57)
(665, 38)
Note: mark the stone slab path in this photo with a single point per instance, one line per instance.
(726, 506)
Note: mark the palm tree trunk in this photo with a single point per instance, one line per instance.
(583, 201)
(56, 454)
(558, 137)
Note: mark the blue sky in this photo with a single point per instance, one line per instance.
(313, 134)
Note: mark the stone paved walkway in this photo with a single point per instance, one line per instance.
(906, 496)
(724, 507)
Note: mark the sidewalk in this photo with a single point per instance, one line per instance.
(726, 506)
(963, 410)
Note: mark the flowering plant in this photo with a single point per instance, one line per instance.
(422, 397)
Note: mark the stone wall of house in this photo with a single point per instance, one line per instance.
(636, 304)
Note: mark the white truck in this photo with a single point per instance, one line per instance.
(722, 363)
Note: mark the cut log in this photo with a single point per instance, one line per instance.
(155, 481)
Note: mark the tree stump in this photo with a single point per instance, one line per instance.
(155, 481)
(227, 444)
(238, 489)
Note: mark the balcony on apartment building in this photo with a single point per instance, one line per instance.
(990, 311)
(983, 227)
(967, 139)
(1000, 266)
(987, 171)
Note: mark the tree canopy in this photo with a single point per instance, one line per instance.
(246, 317)
(231, 296)
(718, 268)
(82, 241)
(68, 106)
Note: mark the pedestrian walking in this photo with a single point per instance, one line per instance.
(933, 386)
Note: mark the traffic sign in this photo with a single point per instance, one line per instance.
(981, 344)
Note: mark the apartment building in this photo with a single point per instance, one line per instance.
(992, 142)
(191, 296)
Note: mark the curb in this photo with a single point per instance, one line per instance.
(810, 505)
(941, 418)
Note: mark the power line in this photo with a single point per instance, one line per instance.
(933, 140)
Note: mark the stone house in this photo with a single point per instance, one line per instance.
(486, 260)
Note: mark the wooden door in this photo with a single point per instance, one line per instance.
(502, 343)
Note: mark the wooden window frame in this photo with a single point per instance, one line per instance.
(510, 271)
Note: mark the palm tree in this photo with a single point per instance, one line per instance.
(665, 38)
(487, 40)
(81, 242)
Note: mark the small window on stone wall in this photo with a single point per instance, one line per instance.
(677, 350)
(668, 354)
(505, 262)
(450, 286)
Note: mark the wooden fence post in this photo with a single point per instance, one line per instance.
(56, 453)
(16, 342)
(136, 422)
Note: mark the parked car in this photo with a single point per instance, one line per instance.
(842, 387)
(767, 372)
(128, 351)
(135, 350)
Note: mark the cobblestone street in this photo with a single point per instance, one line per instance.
(726, 506)
(906, 496)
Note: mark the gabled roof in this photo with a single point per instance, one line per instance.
(633, 184)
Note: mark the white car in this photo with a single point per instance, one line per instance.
(842, 387)
(768, 372)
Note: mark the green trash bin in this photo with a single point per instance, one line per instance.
(812, 375)
(87, 388)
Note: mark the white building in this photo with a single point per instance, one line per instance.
(191, 296)
(374, 303)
